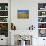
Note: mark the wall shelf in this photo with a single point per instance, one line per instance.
(41, 22)
(42, 16)
(42, 10)
(3, 22)
(41, 28)
(3, 16)
(3, 10)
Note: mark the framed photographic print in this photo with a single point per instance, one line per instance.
(23, 14)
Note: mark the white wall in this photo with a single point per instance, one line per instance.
(32, 6)
(23, 24)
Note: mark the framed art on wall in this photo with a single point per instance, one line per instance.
(23, 14)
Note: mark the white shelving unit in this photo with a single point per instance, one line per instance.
(3, 12)
(4, 23)
(42, 18)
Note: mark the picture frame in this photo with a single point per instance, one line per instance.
(23, 14)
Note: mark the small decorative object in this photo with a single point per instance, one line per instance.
(45, 7)
(4, 26)
(13, 27)
(42, 32)
(6, 7)
(4, 29)
(3, 19)
(43, 39)
(43, 13)
(0, 7)
(3, 13)
(41, 8)
(41, 19)
(31, 27)
(18, 42)
(42, 25)
(23, 14)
